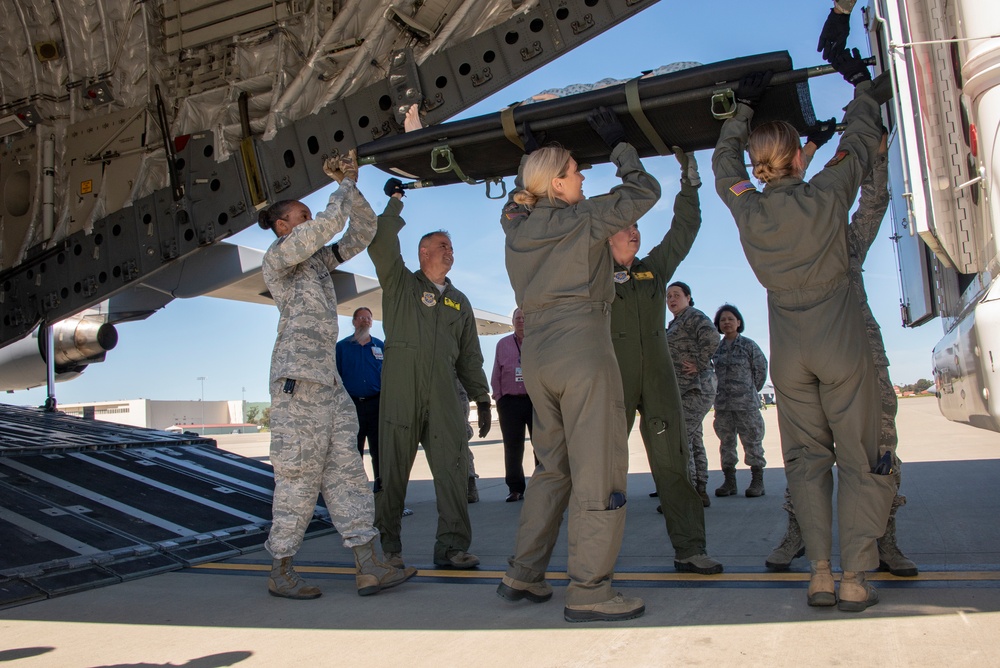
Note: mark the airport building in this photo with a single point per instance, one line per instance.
(202, 417)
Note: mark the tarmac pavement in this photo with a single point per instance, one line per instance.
(220, 614)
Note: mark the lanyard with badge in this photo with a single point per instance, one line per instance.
(518, 375)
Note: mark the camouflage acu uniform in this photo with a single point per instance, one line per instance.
(692, 337)
(314, 428)
(741, 370)
(860, 235)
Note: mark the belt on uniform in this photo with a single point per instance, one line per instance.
(364, 399)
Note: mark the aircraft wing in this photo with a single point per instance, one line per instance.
(245, 283)
(137, 134)
(222, 270)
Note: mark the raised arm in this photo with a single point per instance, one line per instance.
(728, 163)
(359, 233)
(384, 248)
(678, 240)
(871, 210)
(857, 148)
(306, 239)
(626, 203)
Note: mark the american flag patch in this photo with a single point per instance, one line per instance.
(742, 187)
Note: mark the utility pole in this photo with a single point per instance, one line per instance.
(202, 379)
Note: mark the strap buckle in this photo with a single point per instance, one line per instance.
(723, 104)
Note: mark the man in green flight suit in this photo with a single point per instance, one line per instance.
(430, 335)
(638, 314)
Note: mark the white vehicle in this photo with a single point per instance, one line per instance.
(944, 60)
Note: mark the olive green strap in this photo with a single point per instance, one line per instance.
(635, 109)
(509, 129)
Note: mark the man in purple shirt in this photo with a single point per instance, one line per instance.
(513, 406)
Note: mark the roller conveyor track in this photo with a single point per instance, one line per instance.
(85, 504)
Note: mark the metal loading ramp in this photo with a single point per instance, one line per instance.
(85, 504)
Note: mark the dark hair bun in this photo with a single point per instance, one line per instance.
(263, 219)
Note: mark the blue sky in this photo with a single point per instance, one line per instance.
(230, 343)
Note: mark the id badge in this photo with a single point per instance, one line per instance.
(518, 376)
(377, 353)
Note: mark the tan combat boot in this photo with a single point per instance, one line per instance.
(514, 590)
(616, 609)
(855, 593)
(286, 583)
(821, 588)
(372, 575)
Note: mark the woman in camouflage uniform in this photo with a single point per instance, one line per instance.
(693, 340)
(741, 370)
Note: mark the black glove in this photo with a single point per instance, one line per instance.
(393, 186)
(752, 87)
(821, 133)
(485, 417)
(607, 125)
(833, 38)
(851, 67)
(531, 143)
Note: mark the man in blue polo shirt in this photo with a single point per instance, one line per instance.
(359, 363)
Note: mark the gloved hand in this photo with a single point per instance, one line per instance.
(607, 125)
(393, 187)
(851, 66)
(485, 417)
(531, 143)
(821, 133)
(752, 87)
(689, 166)
(331, 167)
(349, 165)
(833, 37)
(342, 167)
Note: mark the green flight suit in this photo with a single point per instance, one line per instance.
(794, 234)
(429, 338)
(559, 265)
(638, 315)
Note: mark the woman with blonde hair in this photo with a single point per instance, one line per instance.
(794, 234)
(560, 267)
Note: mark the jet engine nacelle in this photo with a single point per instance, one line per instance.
(79, 341)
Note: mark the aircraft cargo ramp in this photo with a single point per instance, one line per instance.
(85, 504)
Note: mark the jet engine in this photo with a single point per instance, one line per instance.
(79, 341)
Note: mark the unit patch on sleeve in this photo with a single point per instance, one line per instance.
(742, 187)
(837, 159)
